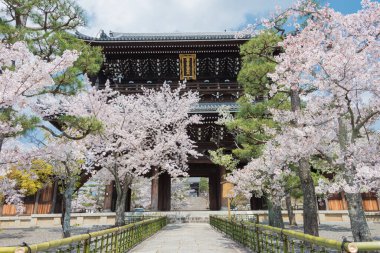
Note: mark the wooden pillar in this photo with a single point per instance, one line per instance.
(214, 191)
(218, 191)
(211, 194)
(164, 192)
(256, 203)
(161, 192)
(154, 191)
(128, 201)
(107, 206)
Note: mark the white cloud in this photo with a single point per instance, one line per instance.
(173, 15)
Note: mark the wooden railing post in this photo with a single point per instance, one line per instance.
(285, 243)
(258, 239)
(86, 245)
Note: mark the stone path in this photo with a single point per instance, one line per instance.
(196, 203)
(188, 237)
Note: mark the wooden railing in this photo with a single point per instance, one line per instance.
(263, 238)
(118, 239)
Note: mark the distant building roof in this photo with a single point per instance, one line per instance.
(115, 36)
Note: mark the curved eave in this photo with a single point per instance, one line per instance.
(163, 38)
(158, 41)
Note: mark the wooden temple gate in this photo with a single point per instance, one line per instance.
(209, 62)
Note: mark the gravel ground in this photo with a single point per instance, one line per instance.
(338, 230)
(14, 237)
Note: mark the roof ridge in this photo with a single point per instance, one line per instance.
(174, 33)
(164, 36)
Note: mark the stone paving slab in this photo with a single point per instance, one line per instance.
(188, 238)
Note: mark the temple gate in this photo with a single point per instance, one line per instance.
(209, 62)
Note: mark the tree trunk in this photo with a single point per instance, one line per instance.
(291, 215)
(1, 143)
(310, 208)
(274, 214)
(35, 207)
(20, 18)
(66, 214)
(359, 226)
(1, 204)
(120, 204)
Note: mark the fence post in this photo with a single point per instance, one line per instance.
(285, 241)
(116, 241)
(243, 235)
(258, 239)
(86, 245)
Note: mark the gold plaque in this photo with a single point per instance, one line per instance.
(188, 66)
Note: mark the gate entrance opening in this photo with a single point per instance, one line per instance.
(190, 194)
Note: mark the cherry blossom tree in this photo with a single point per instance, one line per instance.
(265, 175)
(330, 64)
(140, 132)
(42, 26)
(69, 161)
(337, 55)
(22, 76)
(259, 62)
(26, 100)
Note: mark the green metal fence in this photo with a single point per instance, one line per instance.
(118, 239)
(263, 238)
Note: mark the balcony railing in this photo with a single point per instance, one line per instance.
(208, 92)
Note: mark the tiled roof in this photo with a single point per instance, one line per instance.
(115, 36)
(213, 107)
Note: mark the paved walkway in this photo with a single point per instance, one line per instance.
(188, 237)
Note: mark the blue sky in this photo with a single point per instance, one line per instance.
(344, 6)
(184, 15)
